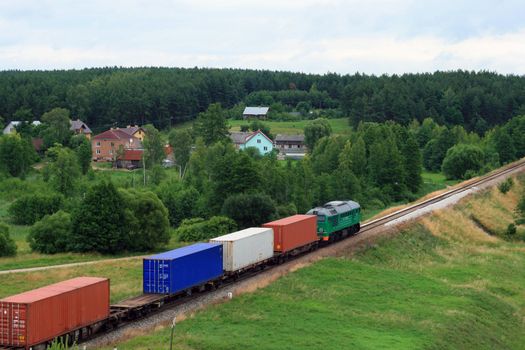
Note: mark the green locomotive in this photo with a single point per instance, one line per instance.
(337, 219)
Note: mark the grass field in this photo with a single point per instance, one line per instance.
(442, 283)
(339, 126)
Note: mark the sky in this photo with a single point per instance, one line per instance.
(312, 36)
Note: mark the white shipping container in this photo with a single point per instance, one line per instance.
(246, 247)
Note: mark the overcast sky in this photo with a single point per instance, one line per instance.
(318, 36)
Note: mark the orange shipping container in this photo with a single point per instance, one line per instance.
(43, 314)
(293, 232)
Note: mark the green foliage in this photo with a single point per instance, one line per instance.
(258, 125)
(156, 174)
(179, 201)
(146, 220)
(506, 185)
(462, 160)
(57, 127)
(153, 146)
(198, 229)
(99, 221)
(249, 209)
(82, 147)
(316, 130)
(61, 344)
(211, 125)
(29, 208)
(181, 141)
(52, 234)
(286, 210)
(64, 170)
(413, 163)
(16, 155)
(7, 244)
(521, 206)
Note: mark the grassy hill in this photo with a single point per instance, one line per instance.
(440, 283)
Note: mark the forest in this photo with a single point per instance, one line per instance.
(64, 204)
(113, 96)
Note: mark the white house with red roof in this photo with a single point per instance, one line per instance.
(255, 139)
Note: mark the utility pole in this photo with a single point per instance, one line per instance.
(172, 331)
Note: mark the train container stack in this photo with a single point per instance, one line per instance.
(293, 232)
(182, 269)
(245, 248)
(40, 315)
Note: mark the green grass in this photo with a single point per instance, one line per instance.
(414, 291)
(339, 126)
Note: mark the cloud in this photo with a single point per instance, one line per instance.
(379, 36)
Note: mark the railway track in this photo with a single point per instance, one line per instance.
(142, 307)
(466, 187)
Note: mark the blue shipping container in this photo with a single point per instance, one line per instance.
(182, 268)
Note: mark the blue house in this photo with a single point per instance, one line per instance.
(256, 139)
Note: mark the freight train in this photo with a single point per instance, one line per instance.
(80, 308)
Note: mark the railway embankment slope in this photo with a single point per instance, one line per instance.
(452, 279)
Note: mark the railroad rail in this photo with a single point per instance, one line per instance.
(145, 305)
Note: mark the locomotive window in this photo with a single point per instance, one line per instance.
(321, 218)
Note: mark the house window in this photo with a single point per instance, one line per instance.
(110, 151)
(98, 143)
(265, 148)
(98, 151)
(289, 146)
(258, 140)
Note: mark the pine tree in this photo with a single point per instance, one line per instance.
(413, 164)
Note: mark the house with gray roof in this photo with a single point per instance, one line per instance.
(11, 127)
(80, 128)
(290, 145)
(257, 139)
(255, 112)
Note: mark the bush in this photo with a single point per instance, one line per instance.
(146, 221)
(198, 229)
(286, 210)
(51, 235)
(511, 230)
(463, 161)
(506, 186)
(30, 208)
(179, 202)
(7, 244)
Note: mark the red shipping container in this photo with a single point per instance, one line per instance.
(43, 314)
(293, 232)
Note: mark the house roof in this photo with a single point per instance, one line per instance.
(132, 154)
(243, 137)
(131, 130)
(289, 138)
(113, 134)
(256, 110)
(78, 124)
(239, 137)
(37, 143)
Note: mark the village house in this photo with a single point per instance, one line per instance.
(11, 127)
(290, 145)
(80, 128)
(257, 139)
(106, 145)
(255, 112)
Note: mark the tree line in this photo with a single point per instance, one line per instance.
(106, 97)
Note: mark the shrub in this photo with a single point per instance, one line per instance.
(506, 186)
(51, 235)
(463, 161)
(30, 208)
(146, 222)
(511, 230)
(286, 210)
(198, 229)
(7, 244)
